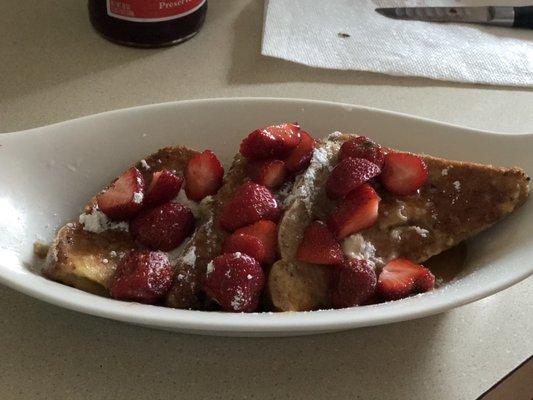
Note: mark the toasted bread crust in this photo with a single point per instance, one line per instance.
(87, 260)
(459, 200)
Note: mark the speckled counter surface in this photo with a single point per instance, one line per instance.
(53, 67)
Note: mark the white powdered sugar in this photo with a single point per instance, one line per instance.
(421, 231)
(210, 268)
(457, 185)
(192, 205)
(355, 246)
(97, 222)
(145, 165)
(189, 258)
(305, 187)
(138, 197)
(238, 299)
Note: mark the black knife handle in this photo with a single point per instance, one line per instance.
(523, 17)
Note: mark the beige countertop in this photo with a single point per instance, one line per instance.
(53, 67)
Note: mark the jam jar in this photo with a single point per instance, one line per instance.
(147, 23)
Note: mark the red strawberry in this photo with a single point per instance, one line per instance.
(357, 211)
(250, 203)
(276, 141)
(354, 283)
(403, 173)
(235, 281)
(142, 276)
(362, 147)
(203, 175)
(401, 277)
(348, 175)
(124, 198)
(300, 157)
(267, 232)
(319, 246)
(269, 173)
(246, 244)
(163, 187)
(163, 227)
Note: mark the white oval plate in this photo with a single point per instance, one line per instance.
(47, 174)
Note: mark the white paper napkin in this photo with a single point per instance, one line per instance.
(350, 35)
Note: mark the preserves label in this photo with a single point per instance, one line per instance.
(152, 10)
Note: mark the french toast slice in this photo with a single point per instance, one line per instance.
(459, 200)
(85, 254)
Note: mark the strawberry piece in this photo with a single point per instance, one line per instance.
(276, 141)
(401, 277)
(203, 175)
(362, 147)
(403, 173)
(357, 211)
(124, 198)
(142, 276)
(319, 246)
(163, 227)
(164, 187)
(300, 157)
(246, 244)
(353, 284)
(235, 281)
(267, 232)
(251, 203)
(348, 175)
(269, 173)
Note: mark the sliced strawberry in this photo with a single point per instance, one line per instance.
(235, 281)
(354, 283)
(300, 157)
(362, 147)
(276, 141)
(403, 173)
(319, 246)
(251, 203)
(401, 277)
(203, 175)
(267, 232)
(164, 187)
(269, 173)
(142, 276)
(348, 175)
(357, 211)
(163, 227)
(124, 198)
(246, 244)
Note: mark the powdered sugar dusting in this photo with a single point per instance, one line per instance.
(457, 185)
(97, 222)
(189, 258)
(138, 197)
(145, 165)
(210, 268)
(355, 246)
(238, 300)
(192, 205)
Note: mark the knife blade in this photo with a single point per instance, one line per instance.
(518, 17)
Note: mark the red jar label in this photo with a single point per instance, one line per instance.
(152, 10)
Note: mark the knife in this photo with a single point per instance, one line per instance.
(515, 17)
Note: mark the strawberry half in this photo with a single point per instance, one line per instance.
(235, 281)
(357, 211)
(276, 141)
(142, 276)
(203, 175)
(246, 244)
(348, 175)
(401, 277)
(124, 198)
(269, 173)
(164, 187)
(267, 232)
(403, 173)
(319, 246)
(163, 227)
(300, 157)
(251, 203)
(353, 284)
(362, 147)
